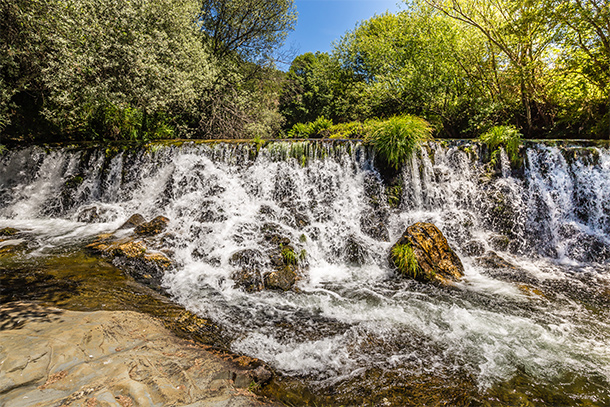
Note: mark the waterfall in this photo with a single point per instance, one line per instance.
(545, 317)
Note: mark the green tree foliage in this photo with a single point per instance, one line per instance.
(583, 87)
(242, 35)
(253, 28)
(466, 66)
(406, 64)
(521, 36)
(111, 69)
(316, 85)
(139, 69)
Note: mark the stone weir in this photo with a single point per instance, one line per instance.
(313, 260)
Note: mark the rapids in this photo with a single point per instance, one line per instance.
(539, 328)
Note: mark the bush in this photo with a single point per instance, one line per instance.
(125, 122)
(347, 130)
(299, 130)
(404, 260)
(396, 138)
(506, 136)
(319, 126)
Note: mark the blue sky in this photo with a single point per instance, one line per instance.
(321, 22)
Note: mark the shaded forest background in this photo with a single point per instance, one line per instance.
(140, 70)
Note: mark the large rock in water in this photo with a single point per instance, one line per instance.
(436, 261)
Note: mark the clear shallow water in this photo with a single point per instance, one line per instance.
(541, 325)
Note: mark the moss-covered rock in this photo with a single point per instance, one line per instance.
(154, 227)
(282, 279)
(8, 232)
(139, 257)
(134, 220)
(436, 261)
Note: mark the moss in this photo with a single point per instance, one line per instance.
(394, 194)
(74, 182)
(8, 231)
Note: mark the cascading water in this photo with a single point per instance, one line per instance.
(350, 319)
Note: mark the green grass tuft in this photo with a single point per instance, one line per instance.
(405, 261)
(506, 136)
(289, 256)
(396, 138)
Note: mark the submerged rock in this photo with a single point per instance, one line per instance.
(282, 279)
(474, 248)
(249, 263)
(7, 232)
(373, 220)
(154, 227)
(436, 261)
(56, 357)
(134, 220)
(493, 261)
(354, 252)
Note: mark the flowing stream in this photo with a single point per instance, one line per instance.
(529, 322)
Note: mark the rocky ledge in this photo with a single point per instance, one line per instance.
(52, 357)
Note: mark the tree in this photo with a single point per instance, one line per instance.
(406, 63)
(522, 35)
(252, 28)
(95, 68)
(585, 54)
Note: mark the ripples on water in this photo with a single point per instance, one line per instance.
(537, 331)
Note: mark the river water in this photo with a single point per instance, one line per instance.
(528, 323)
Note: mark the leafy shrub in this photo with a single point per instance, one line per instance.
(299, 130)
(396, 138)
(125, 122)
(347, 130)
(319, 126)
(506, 136)
(404, 260)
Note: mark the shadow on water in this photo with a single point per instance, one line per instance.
(14, 316)
(77, 281)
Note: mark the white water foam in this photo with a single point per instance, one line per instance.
(221, 199)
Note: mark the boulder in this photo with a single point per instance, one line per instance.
(154, 227)
(436, 261)
(282, 279)
(134, 256)
(134, 220)
(491, 260)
